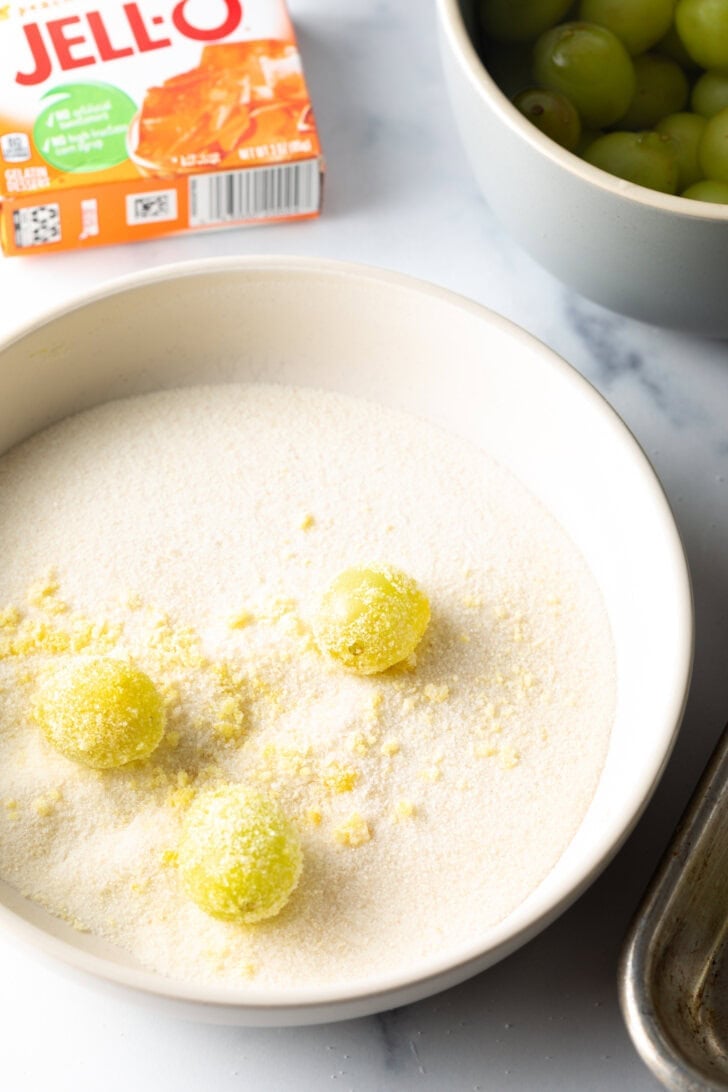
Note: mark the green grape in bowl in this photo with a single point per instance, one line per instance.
(647, 159)
(639, 24)
(589, 65)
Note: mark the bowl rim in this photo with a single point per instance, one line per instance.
(412, 983)
(453, 26)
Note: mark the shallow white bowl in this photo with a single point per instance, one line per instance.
(418, 348)
(659, 258)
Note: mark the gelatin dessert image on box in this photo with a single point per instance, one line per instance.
(200, 119)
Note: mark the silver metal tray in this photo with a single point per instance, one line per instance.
(674, 969)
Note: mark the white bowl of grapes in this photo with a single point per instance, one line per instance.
(598, 133)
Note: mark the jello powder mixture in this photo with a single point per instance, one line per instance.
(192, 532)
(124, 121)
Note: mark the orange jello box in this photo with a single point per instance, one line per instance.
(126, 121)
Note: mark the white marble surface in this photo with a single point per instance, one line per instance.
(400, 195)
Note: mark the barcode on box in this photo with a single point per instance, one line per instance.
(288, 189)
(37, 226)
(151, 208)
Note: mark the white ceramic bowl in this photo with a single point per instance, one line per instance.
(659, 258)
(418, 348)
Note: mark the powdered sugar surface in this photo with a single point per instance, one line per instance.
(195, 530)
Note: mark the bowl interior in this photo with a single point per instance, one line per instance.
(422, 350)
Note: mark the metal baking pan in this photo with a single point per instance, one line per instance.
(674, 968)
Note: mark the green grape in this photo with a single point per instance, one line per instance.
(552, 113)
(520, 20)
(239, 858)
(672, 46)
(708, 190)
(371, 619)
(100, 712)
(713, 147)
(646, 159)
(589, 65)
(710, 93)
(685, 130)
(639, 24)
(662, 88)
(703, 27)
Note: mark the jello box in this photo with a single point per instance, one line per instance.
(126, 121)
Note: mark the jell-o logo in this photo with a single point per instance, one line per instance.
(80, 40)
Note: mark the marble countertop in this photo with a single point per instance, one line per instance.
(400, 195)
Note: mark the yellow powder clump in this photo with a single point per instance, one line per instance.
(472, 602)
(375, 703)
(45, 805)
(10, 618)
(286, 762)
(240, 620)
(509, 758)
(360, 743)
(354, 831)
(339, 779)
(228, 715)
(37, 636)
(307, 522)
(437, 693)
(405, 809)
(278, 608)
(179, 645)
(44, 591)
(183, 793)
(230, 719)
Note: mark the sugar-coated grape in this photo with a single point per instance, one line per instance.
(713, 147)
(646, 159)
(703, 28)
(639, 24)
(662, 88)
(239, 857)
(708, 190)
(371, 619)
(685, 131)
(710, 92)
(520, 20)
(100, 712)
(589, 65)
(552, 113)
